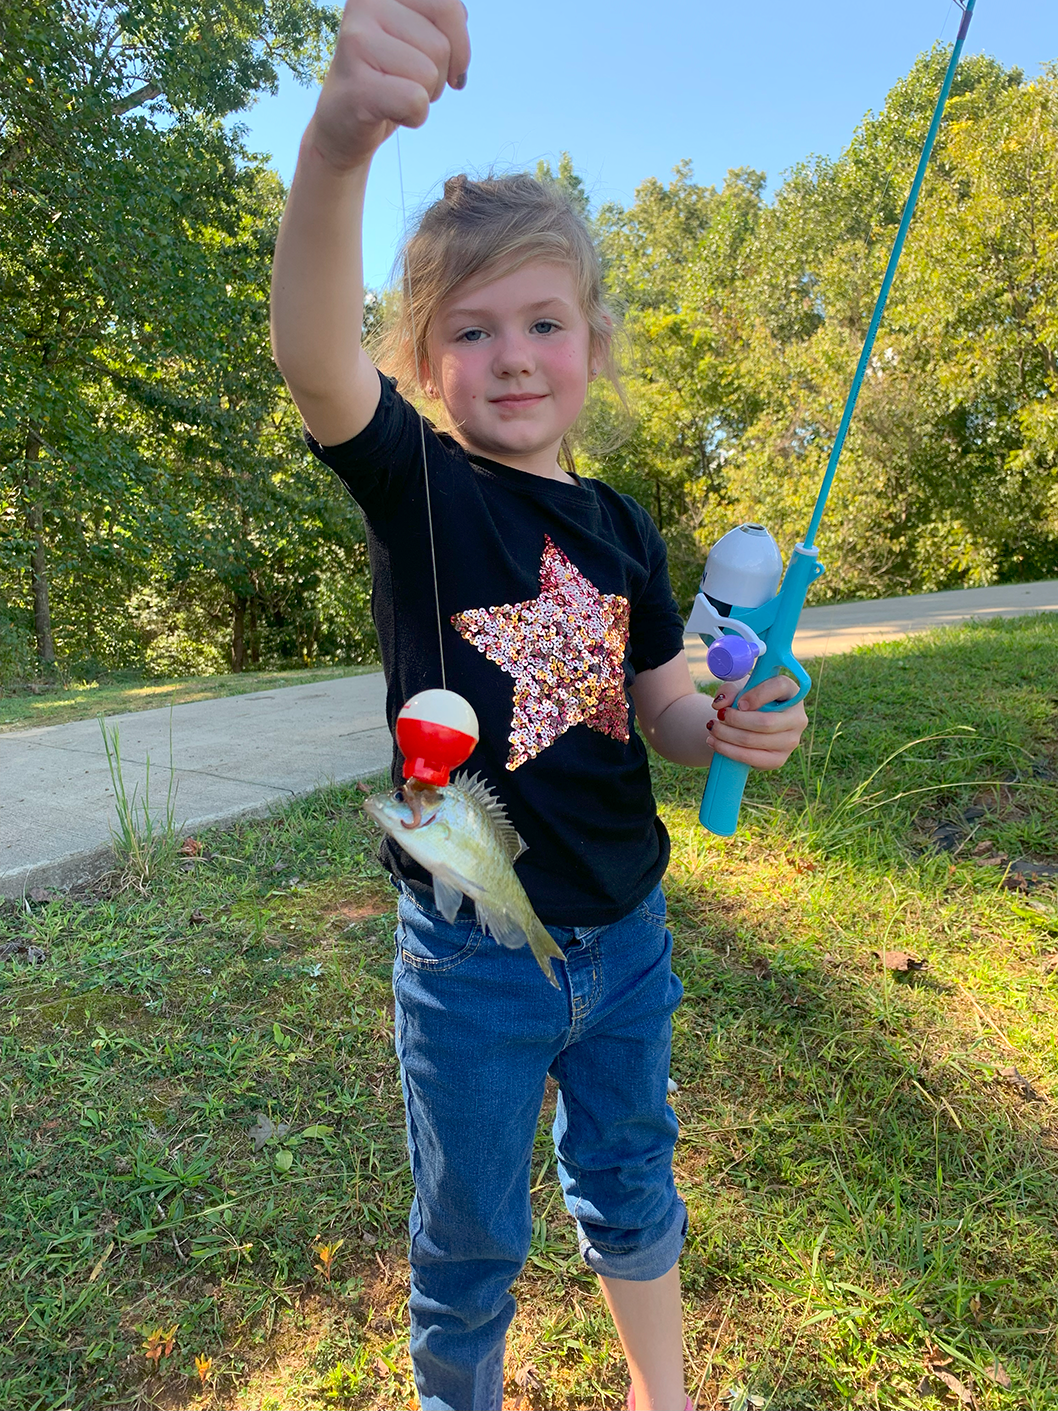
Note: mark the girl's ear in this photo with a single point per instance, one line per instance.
(426, 382)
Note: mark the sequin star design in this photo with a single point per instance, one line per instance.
(565, 650)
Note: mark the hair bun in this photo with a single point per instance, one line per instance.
(456, 187)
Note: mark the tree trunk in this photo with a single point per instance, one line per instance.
(238, 636)
(255, 634)
(38, 558)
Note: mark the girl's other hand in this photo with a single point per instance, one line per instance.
(392, 60)
(764, 739)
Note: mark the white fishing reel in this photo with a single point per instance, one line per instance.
(741, 573)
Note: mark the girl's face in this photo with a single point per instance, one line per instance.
(509, 357)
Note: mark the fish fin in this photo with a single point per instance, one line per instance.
(508, 932)
(543, 945)
(500, 925)
(476, 788)
(448, 899)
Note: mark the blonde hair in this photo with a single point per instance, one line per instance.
(493, 226)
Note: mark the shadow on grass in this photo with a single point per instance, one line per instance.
(869, 1181)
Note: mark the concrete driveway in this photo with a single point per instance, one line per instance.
(825, 630)
(232, 757)
(242, 755)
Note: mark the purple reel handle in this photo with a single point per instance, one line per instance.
(731, 657)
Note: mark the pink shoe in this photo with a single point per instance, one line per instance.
(631, 1403)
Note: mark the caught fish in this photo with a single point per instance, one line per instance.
(461, 834)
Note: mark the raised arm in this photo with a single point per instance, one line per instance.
(392, 60)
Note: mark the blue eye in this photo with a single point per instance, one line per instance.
(544, 325)
(472, 335)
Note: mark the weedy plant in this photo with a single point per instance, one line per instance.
(142, 842)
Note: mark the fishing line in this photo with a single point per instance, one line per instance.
(967, 8)
(406, 293)
(914, 107)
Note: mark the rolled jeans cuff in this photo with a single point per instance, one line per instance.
(642, 1263)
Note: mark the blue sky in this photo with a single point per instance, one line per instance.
(630, 89)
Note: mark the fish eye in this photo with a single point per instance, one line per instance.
(398, 795)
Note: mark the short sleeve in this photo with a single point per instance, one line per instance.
(378, 465)
(655, 633)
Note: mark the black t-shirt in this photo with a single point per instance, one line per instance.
(552, 596)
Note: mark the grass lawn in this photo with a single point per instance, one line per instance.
(22, 706)
(203, 1132)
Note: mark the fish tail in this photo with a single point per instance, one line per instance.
(544, 947)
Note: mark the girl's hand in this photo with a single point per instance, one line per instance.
(764, 739)
(392, 60)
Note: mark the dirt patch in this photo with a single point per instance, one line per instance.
(353, 911)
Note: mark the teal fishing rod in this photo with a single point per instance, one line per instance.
(749, 625)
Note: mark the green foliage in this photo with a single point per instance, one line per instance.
(144, 839)
(568, 180)
(745, 320)
(159, 511)
(164, 509)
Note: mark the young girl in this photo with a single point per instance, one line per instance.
(559, 626)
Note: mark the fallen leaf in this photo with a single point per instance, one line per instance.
(264, 1130)
(936, 1362)
(965, 1395)
(761, 969)
(528, 1379)
(1017, 1080)
(100, 1262)
(899, 960)
(997, 1373)
(196, 918)
(364, 788)
(34, 955)
(191, 847)
(41, 894)
(984, 846)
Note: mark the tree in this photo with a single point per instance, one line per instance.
(746, 320)
(117, 178)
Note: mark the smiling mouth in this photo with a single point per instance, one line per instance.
(518, 399)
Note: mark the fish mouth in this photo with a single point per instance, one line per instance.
(414, 795)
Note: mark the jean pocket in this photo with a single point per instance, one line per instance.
(426, 941)
(653, 908)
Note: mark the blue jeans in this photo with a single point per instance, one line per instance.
(478, 1030)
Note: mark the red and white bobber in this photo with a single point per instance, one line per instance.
(436, 731)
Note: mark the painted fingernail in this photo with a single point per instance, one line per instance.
(709, 724)
(461, 81)
(719, 698)
(721, 713)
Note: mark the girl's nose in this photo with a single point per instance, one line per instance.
(513, 356)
